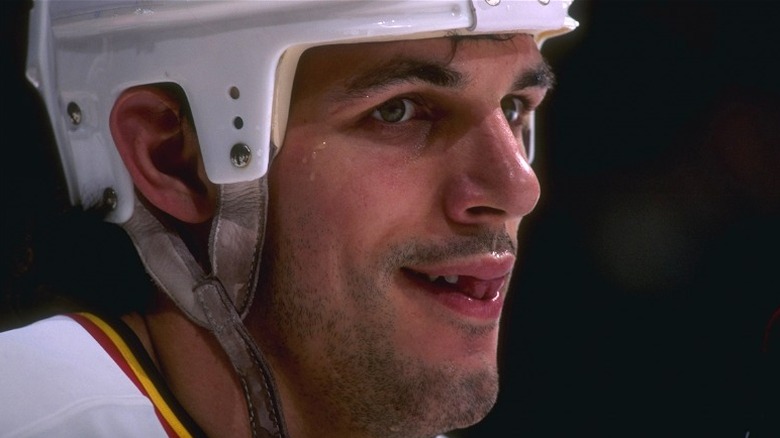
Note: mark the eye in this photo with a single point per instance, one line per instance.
(394, 111)
(512, 107)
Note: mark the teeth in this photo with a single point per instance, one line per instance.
(451, 279)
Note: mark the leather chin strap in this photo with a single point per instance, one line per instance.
(218, 301)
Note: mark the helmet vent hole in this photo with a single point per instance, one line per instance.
(238, 123)
(234, 93)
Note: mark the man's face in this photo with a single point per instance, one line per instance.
(394, 208)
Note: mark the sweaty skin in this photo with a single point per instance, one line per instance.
(393, 214)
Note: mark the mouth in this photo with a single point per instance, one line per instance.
(470, 287)
(474, 289)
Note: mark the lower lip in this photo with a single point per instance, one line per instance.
(486, 310)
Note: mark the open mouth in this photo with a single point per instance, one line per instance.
(473, 287)
(468, 286)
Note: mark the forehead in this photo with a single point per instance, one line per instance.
(347, 64)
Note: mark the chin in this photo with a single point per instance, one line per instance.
(471, 402)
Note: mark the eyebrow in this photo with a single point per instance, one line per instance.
(540, 76)
(407, 70)
(403, 70)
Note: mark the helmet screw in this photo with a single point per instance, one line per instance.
(544, 2)
(109, 199)
(74, 113)
(240, 155)
(493, 2)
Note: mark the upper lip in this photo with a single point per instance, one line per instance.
(482, 267)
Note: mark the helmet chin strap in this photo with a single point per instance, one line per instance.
(218, 301)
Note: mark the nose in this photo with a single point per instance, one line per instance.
(491, 179)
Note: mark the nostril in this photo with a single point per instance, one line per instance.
(485, 211)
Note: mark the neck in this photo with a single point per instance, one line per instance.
(195, 368)
(201, 377)
(305, 408)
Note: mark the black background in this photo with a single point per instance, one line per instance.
(648, 272)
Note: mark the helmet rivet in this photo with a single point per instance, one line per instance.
(74, 113)
(109, 200)
(493, 2)
(240, 155)
(544, 2)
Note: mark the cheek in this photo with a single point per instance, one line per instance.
(348, 194)
(318, 198)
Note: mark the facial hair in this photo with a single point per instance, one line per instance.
(358, 376)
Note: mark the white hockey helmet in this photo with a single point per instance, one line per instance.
(235, 61)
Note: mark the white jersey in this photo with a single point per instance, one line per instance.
(80, 376)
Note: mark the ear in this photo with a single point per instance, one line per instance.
(159, 147)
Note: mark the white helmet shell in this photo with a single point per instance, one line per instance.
(235, 61)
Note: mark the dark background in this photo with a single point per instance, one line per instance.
(648, 271)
